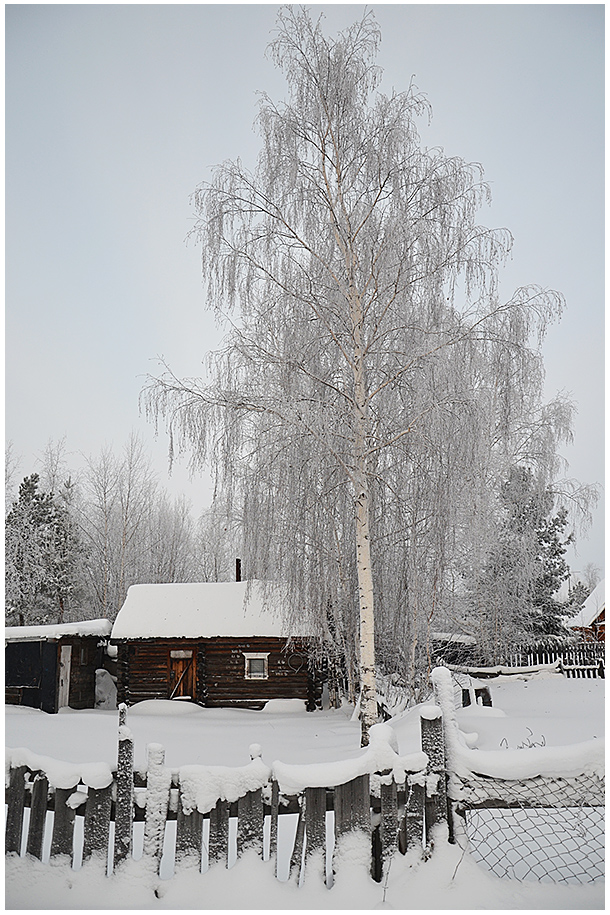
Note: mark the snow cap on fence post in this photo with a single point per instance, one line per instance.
(443, 693)
(255, 751)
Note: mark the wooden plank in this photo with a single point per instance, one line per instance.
(16, 803)
(219, 833)
(433, 745)
(38, 815)
(388, 827)
(414, 817)
(189, 837)
(250, 822)
(315, 820)
(63, 824)
(97, 822)
(297, 850)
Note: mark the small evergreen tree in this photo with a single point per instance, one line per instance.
(515, 592)
(42, 555)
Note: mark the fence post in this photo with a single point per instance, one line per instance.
(16, 803)
(433, 745)
(123, 818)
(275, 804)
(38, 814)
(389, 821)
(157, 798)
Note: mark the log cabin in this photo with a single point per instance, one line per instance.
(53, 666)
(218, 644)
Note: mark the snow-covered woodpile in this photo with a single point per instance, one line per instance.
(213, 643)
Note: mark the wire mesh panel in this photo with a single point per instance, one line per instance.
(545, 829)
(549, 845)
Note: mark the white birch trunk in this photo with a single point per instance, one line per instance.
(368, 690)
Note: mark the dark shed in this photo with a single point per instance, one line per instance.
(213, 643)
(51, 667)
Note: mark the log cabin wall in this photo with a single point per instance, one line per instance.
(225, 677)
(219, 677)
(143, 669)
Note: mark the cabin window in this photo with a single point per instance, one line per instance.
(83, 657)
(181, 653)
(257, 665)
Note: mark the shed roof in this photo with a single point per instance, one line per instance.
(54, 631)
(202, 610)
(591, 608)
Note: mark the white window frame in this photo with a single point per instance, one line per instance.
(256, 656)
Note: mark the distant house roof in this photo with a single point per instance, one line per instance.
(590, 610)
(202, 610)
(55, 631)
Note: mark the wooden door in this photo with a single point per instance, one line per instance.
(182, 674)
(65, 662)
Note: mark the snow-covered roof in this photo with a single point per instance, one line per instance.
(453, 637)
(202, 610)
(591, 608)
(98, 628)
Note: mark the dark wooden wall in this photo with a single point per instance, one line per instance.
(86, 658)
(32, 672)
(143, 671)
(225, 666)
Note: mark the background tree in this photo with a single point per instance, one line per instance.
(372, 353)
(513, 595)
(73, 550)
(43, 553)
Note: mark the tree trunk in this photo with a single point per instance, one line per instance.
(368, 690)
(368, 694)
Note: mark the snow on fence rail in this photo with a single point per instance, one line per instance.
(303, 817)
(535, 813)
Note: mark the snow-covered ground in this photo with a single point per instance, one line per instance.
(549, 710)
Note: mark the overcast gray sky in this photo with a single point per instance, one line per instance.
(114, 114)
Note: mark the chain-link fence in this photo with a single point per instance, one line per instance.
(543, 829)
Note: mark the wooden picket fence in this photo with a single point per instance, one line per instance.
(388, 815)
(583, 659)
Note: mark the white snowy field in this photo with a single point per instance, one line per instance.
(549, 710)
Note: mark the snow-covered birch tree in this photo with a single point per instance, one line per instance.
(368, 352)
